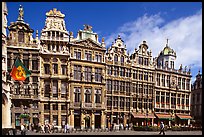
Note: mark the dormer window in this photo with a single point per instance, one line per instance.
(122, 59)
(20, 36)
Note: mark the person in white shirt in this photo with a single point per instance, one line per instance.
(22, 129)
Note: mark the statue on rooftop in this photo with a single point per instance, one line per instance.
(87, 27)
(21, 13)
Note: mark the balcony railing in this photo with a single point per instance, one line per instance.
(88, 105)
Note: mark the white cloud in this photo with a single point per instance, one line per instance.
(184, 34)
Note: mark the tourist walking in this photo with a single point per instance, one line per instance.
(162, 128)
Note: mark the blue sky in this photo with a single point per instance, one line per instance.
(181, 22)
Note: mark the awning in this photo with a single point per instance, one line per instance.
(183, 116)
(163, 116)
(139, 115)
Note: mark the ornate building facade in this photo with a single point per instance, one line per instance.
(6, 99)
(25, 97)
(196, 100)
(172, 90)
(77, 81)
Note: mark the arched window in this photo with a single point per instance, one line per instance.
(20, 36)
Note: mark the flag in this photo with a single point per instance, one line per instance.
(19, 71)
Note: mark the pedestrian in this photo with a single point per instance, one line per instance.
(126, 127)
(68, 128)
(22, 129)
(162, 128)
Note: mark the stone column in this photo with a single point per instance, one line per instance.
(82, 121)
(41, 120)
(59, 115)
(51, 110)
(92, 120)
(72, 119)
(103, 120)
(30, 61)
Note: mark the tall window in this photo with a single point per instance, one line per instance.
(179, 82)
(134, 103)
(20, 36)
(115, 101)
(122, 86)
(140, 103)
(178, 99)
(47, 89)
(109, 85)
(88, 55)
(150, 104)
(157, 97)
(98, 74)
(88, 74)
(116, 71)
(127, 102)
(145, 90)
(173, 100)
(116, 85)
(146, 76)
(98, 96)
(133, 87)
(158, 79)
(63, 69)
(109, 70)
(77, 72)
(98, 57)
(187, 84)
(187, 100)
(115, 58)
(55, 68)
(140, 89)
(128, 87)
(167, 98)
(63, 89)
(151, 76)
(146, 61)
(183, 83)
(77, 94)
(182, 100)
(168, 80)
(55, 89)
(140, 75)
(87, 95)
(122, 102)
(172, 64)
(35, 79)
(34, 62)
(127, 72)
(145, 103)
(122, 60)
(134, 74)
(77, 54)
(140, 60)
(162, 98)
(109, 101)
(122, 71)
(47, 68)
(163, 80)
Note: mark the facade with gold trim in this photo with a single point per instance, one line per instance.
(25, 97)
(77, 81)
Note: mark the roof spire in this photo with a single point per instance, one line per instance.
(167, 42)
(20, 14)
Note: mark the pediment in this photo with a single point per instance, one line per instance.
(89, 43)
